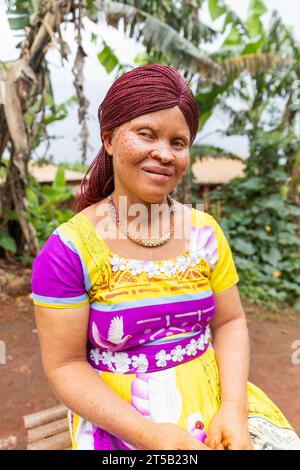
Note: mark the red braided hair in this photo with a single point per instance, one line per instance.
(140, 91)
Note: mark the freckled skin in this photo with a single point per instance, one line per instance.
(161, 138)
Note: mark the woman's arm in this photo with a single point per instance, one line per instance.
(232, 348)
(63, 338)
(229, 427)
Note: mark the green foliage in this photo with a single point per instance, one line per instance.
(107, 58)
(253, 23)
(215, 9)
(46, 205)
(262, 233)
(181, 15)
(261, 225)
(18, 13)
(7, 242)
(259, 213)
(43, 113)
(75, 166)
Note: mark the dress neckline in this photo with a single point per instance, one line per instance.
(114, 255)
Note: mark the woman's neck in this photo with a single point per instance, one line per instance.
(150, 217)
(131, 204)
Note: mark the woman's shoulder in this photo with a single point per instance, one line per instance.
(75, 230)
(58, 275)
(199, 217)
(65, 238)
(80, 234)
(60, 241)
(203, 218)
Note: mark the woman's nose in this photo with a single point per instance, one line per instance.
(163, 153)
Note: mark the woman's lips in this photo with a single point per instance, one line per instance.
(156, 176)
(157, 172)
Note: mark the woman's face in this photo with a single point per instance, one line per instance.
(150, 154)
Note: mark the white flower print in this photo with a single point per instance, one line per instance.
(194, 258)
(177, 354)
(207, 334)
(135, 266)
(95, 356)
(168, 267)
(117, 263)
(201, 344)
(122, 362)
(162, 358)
(119, 362)
(156, 268)
(108, 359)
(182, 263)
(140, 362)
(152, 269)
(191, 348)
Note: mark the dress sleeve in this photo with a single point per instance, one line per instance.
(223, 274)
(57, 276)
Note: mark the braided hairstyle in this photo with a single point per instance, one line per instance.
(140, 91)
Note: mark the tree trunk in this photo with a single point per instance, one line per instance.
(22, 88)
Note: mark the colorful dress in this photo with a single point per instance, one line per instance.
(148, 336)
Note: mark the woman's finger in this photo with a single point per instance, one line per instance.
(225, 443)
(207, 441)
(194, 444)
(219, 446)
(248, 446)
(204, 446)
(235, 445)
(210, 442)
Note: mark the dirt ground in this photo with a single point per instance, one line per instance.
(24, 388)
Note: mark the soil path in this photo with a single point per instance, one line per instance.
(24, 388)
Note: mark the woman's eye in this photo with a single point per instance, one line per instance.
(177, 142)
(145, 134)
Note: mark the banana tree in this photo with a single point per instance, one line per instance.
(260, 213)
(172, 33)
(25, 78)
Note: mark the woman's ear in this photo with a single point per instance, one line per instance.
(107, 137)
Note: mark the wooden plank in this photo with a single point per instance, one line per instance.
(60, 441)
(47, 430)
(45, 416)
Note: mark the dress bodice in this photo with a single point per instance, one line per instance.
(147, 314)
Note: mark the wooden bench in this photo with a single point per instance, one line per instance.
(48, 429)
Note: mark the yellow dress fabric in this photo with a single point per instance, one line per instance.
(149, 337)
(189, 393)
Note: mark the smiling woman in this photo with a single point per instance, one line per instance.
(149, 157)
(148, 113)
(145, 339)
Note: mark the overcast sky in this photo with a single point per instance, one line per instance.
(97, 81)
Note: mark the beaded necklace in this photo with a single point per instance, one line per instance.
(150, 243)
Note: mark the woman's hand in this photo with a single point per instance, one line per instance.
(168, 436)
(229, 429)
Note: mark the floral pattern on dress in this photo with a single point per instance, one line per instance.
(117, 263)
(191, 349)
(120, 362)
(162, 358)
(156, 268)
(140, 363)
(178, 353)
